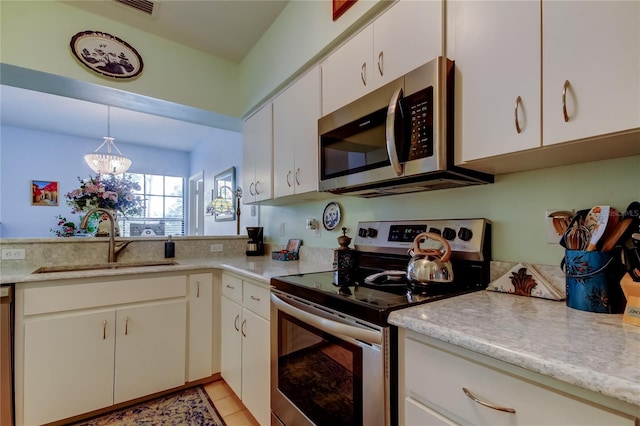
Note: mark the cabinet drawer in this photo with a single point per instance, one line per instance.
(436, 378)
(66, 296)
(256, 299)
(232, 287)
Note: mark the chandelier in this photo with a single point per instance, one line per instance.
(108, 163)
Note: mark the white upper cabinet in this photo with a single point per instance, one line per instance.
(593, 49)
(406, 36)
(257, 156)
(295, 136)
(497, 56)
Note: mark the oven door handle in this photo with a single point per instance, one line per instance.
(326, 325)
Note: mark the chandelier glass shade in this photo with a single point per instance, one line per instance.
(108, 163)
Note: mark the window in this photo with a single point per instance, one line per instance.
(164, 207)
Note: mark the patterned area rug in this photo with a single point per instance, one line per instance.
(188, 407)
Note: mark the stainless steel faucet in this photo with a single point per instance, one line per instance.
(113, 249)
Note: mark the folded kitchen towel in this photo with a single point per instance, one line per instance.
(524, 280)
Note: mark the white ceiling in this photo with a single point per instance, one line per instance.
(224, 28)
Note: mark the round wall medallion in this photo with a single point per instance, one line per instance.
(331, 216)
(106, 54)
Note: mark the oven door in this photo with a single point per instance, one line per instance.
(326, 368)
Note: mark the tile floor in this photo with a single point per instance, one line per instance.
(229, 405)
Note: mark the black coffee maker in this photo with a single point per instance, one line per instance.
(255, 245)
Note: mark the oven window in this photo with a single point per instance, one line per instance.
(319, 373)
(355, 147)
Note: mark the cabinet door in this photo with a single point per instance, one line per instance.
(231, 344)
(150, 349)
(295, 136)
(200, 326)
(257, 151)
(595, 47)
(497, 55)
(68, 365)
(406, 36)
(256, 377)
(347, 73)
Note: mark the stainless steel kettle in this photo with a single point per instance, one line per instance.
(430, 265)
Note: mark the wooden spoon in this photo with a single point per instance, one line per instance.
(620, 229)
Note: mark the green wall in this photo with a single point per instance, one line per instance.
(515, 204)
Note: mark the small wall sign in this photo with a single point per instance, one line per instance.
(107, 55)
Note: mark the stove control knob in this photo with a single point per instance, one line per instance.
(465, 234)
(448, 234)
(362, 232)
(372, 233)
(435, 231)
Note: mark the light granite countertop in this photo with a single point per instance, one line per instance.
(590, 350)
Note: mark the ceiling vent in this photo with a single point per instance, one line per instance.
(145, 6)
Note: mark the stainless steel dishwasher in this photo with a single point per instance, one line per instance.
(6, 355)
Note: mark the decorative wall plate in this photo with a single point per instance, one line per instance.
(106, 54)
(331, 216)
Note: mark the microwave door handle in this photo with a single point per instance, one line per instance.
(326, 325)
(391, 132)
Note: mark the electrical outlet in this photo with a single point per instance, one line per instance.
(214, 248)
(282, 229)
(13, 254)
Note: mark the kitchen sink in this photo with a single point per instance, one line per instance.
(99, 266)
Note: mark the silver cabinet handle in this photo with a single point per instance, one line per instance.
(126, 326)
(197, 289)
(230, 286)
(486, 404)
(565, 86)
(288, 174)
(297, 176)
(257, 299)
(363, 72)
(104, 330)
(518, 101)
(258, 191)
(244, 323)
(235, 323)
(251, 188)
(380, 62)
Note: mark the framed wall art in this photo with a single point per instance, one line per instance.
(107, 55)
(340, 7)
(44, 193)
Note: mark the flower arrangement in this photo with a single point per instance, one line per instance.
(67, 228)
(108, 192)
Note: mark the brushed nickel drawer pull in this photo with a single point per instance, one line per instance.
(288, 174)
(297, 176)
(104, 330)
(363, 72)
(235, 323)
(257, 299)
(230, 286)
(380, 62)
(251, 188)
(126, 326)
(518, 100)
(486, 404)
(197, 289)
(244, 323)
(564, 100)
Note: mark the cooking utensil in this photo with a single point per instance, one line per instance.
(430, 265)
(612, 239)
(561, 220)
(577, 237)
(597, 230)
(593, 216)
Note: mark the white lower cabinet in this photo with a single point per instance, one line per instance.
(85, 345)
(433, 375)
(201, 326)
(245, 344)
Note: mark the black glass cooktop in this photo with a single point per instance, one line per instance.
(370, 302)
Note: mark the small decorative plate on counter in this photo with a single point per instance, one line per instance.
(331, 216)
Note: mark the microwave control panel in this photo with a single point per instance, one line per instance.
(419, 106)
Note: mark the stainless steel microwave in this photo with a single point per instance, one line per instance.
(397, 139)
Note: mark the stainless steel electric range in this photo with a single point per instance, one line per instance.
(333, 352)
